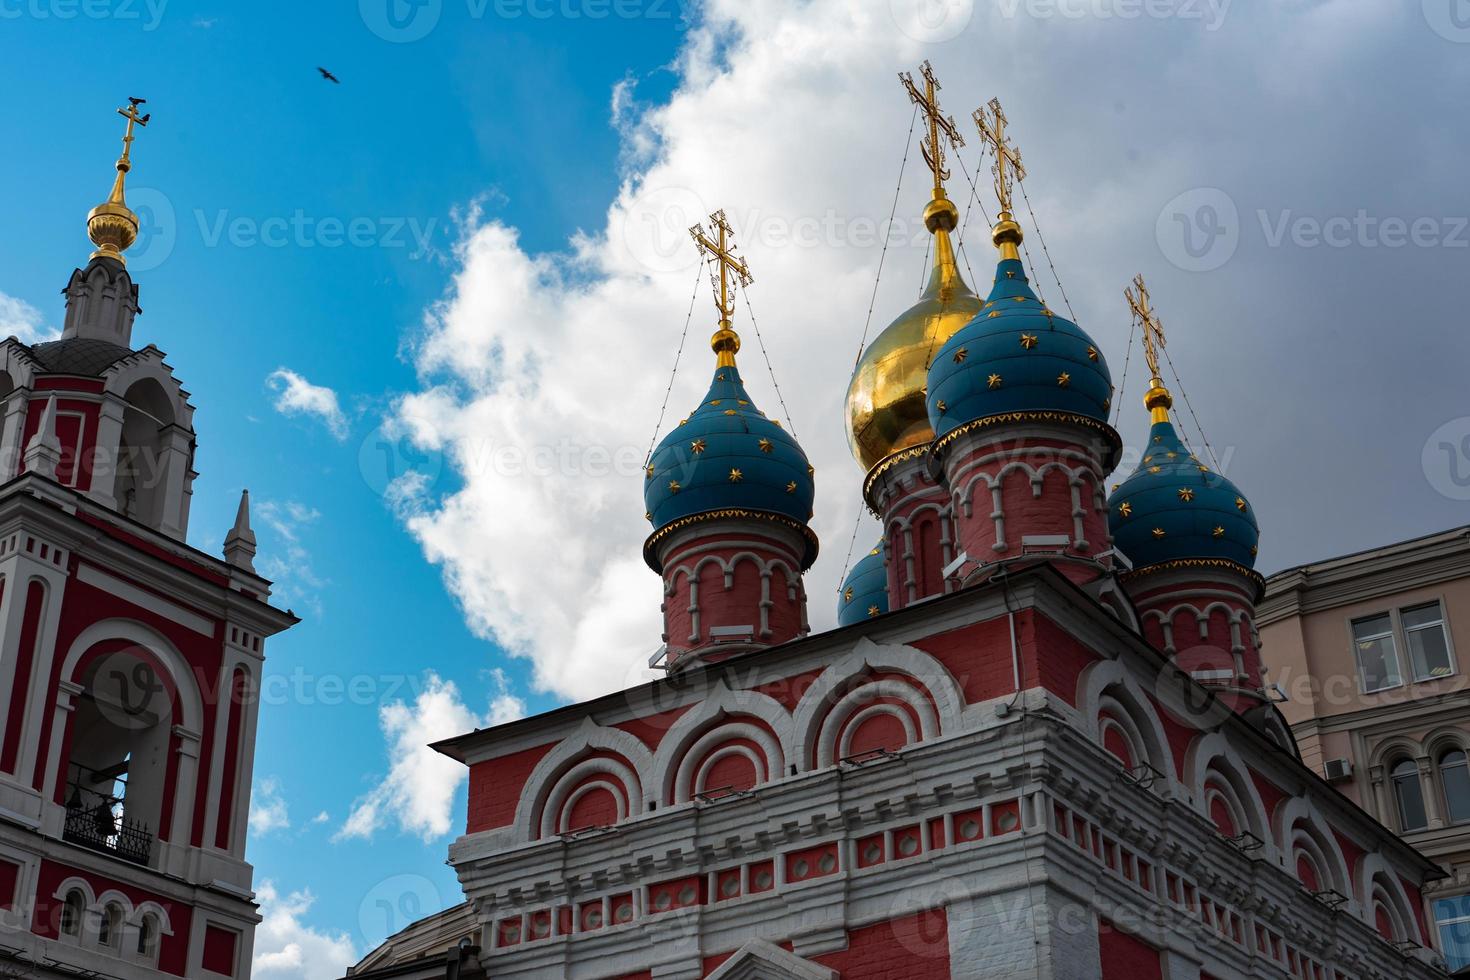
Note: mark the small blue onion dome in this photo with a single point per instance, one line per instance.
(1175, 508)
(1018, 358)
(727, 460)
(865, 590)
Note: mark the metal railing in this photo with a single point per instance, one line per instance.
(99, 822)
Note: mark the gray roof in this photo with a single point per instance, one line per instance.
(78, 355)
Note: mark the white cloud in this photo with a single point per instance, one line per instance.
(789, 117)
(284, 558)
(268, 810)
(297, 396)
(418, 791)
(286, 948)
(23, 321)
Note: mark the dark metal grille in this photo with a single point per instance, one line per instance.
(103, 828)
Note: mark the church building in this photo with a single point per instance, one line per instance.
(129, 660)
(1038, 744)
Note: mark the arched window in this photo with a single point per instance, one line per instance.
(1408, 794)
(148, 936)
(1454, 778)
(109, 931)
(72, 909)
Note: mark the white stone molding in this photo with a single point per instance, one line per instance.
(940, 711)
(1212, 755)
(691, 735)
(762, 960)
(1297, 817)
(1107, 684)
(531, 820)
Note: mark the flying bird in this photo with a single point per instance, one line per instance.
(329, 76)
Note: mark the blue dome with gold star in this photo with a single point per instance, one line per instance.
(1175, 508)
(727, 458)
(1017, 356)
(865, 590)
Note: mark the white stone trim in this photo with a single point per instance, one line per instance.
(679, 743)
(143, 599)
(762, 960)
(534, 803)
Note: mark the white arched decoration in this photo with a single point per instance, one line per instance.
(190, 705)
(973, 473)
(1235, 616)
(684, 749)
(766, 568)
(558, 774)
(903, 524)
(933, 695)
(161, 922)
(1296, 825)
(148, 365)
(1106, 687)
(89, 902)
(1213, 766)
(1380, 885)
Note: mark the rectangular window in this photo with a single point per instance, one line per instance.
(1452, 920)
(1429, 647)
(1378, 660)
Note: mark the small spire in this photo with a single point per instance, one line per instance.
(991, 121)
(1157, 399)
(43, 452)
(112, 225)
(240, 542)
(719, 251)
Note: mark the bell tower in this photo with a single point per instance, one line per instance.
(129, 660)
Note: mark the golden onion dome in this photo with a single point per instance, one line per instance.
(885, 400)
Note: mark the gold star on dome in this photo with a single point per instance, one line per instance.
(1156, 469)
(719, 377)
(1047, 313)
(791, 487)
(741, 401)
(683, 421)
(872, 611)
(697, 446)
(1186, 494)
(1158, 532)
(716, 402)
(1125, 509)
(994, 381)
(1240, 504)
(1028, 340)
(941, 406)
(876, 551)
(1010, 274)
(1091, 353)
(731, 411)
(1172, 455)
(736, 476)
(649, 469)
(1020, 299)
(810, 470)
(673, 486)
(1148, 459)
(992, 314)
(1108, 404)
(1064, 379)
(1203, 468)
(648, 515)
(961, 354)
(776, 423)
(765, 445)
(1219, 531)
(847, 594)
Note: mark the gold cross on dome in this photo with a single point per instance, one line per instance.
(719, 251)
(1143, 314)
(1007, 167)
(939, 124)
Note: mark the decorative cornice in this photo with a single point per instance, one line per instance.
(729, 514)
(1217, 564)
(1110, 434)
(887, 463)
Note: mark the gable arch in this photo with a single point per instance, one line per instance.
(551, 774)
(1298, 816)
(941, 694)
(716, 717)
(1106, 684)
(168, 656)
(1212, 756)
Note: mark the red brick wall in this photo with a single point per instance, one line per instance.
(496, 785)
(1126, 957)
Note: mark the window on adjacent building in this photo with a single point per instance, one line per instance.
(1429, 648)
(1454, 777)
(1378, 660)
(1452, 919)
(1408, 793)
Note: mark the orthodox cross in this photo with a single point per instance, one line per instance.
(131, 115)
(1007, 167)
(939, 124)
(1144, 315)
(719, 251)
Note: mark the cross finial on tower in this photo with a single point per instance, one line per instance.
(719, 250)
(939, 124)
(1157, 398)
(111, 225)
(991, 121)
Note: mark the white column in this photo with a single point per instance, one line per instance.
(11, 432)
(174, 460)
(186, 776)
(105, 460)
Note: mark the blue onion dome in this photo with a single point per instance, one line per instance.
(1175, 509)
(727, 460)
(1018, 361)
(865, 590)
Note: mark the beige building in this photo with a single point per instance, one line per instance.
(1364, 649)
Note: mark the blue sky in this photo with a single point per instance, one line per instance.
(517, 178)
